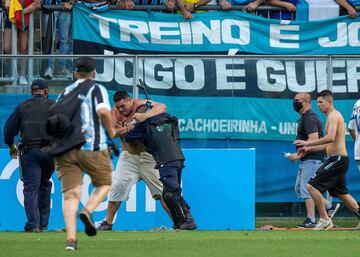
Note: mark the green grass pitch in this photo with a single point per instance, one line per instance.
(186, 244)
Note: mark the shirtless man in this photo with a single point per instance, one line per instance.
(135, 163)
(331, 175)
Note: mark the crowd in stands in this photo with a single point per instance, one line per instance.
(62, 22)
(60, 25)
(29, 6)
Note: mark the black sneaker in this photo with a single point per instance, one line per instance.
(86, 218)
(43, 229)
(188, 225)
(307, 224)
(333, 209)
(104, 226)
(71, 245)
(32, 230)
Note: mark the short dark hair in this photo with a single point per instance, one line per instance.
(85, 65)
(326, 93)
(120, 95)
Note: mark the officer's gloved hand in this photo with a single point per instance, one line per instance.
(13, 151)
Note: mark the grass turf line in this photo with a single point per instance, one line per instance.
(189, 244)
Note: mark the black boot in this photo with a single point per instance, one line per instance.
(189, 222)
(180, 211)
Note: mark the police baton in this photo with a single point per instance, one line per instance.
(143, 88)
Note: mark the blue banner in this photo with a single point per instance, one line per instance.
(213, 188)
(275, 176)
(222, 117)
(211, 32)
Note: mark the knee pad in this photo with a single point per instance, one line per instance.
(175, 203)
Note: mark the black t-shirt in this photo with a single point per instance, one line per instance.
(310, 123)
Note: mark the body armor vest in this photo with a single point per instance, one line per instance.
(34, 114)
(163, 140)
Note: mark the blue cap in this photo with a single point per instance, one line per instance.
(39, 84)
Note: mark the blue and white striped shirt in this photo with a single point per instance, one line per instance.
(96, 98)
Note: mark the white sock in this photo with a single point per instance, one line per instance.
(313, 220)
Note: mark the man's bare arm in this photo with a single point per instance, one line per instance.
(251, 7)
(351, 11)
(296, 156)
(105, 117)
(289, 6)
(187, 15)
(313, 136)
(191, 7)
(328, 138)
(157, 108)
(225, 5)
(32, 7)
(352, 133)
(309, 149)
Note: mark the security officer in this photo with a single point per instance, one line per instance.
(160, 135)
(29, 118)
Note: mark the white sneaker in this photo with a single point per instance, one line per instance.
(67, 73)
(22, 80)
(48, 73)
(323, 224)
(358, 227)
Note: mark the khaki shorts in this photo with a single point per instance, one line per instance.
(96, 164)
(129, 170)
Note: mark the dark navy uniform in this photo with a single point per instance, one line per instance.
(160, 136)
(29, 118)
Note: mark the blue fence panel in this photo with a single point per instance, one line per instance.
(216, 183)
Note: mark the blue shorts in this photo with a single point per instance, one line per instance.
(307, 170)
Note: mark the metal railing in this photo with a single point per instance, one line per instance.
(139, 64)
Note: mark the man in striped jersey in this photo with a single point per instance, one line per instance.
(354, 130)
(331, 175)
(91, 156)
